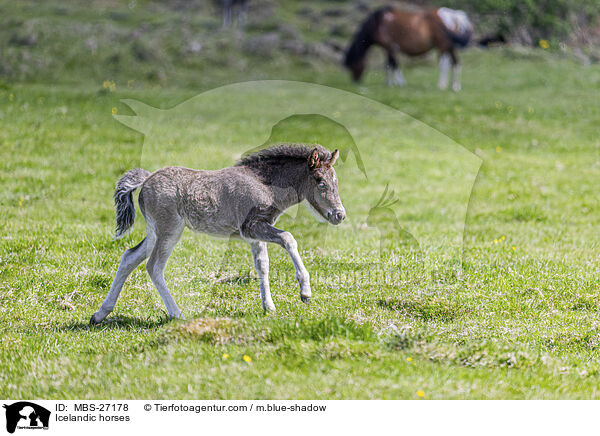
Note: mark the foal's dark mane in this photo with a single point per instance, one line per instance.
(281, 154)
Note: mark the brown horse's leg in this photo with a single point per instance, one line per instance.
(444, 69)
(455, 71)
(394, 74)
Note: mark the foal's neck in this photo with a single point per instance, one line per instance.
(286, 179)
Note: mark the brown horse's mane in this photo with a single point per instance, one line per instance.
(283, 153)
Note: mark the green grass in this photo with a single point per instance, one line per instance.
(517, 323)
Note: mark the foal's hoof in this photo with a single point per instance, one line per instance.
(305, 299)
(93, 320)
(269, 310)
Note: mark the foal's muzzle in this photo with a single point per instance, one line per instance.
(336, 216)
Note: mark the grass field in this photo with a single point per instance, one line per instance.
(521, 321)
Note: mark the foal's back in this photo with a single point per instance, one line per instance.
(214, 202)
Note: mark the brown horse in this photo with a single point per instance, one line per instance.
(413, 33)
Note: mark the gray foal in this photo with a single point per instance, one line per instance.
(242, 201)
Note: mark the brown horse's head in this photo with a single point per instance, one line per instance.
(364, 38)
(357, 70)
(322, 188)
(355, 59)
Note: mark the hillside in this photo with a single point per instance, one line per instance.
(183, 43)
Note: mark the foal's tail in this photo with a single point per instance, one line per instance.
(128, 183)
(364, 37)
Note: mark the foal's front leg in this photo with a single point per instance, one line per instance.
(261, 263)
(267, 233)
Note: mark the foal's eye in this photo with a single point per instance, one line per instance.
(322, 185)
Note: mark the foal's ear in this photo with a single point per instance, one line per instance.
(314, 160)
(334, 157)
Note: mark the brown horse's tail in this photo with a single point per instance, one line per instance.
(128, 183)
(456, 25)
(459, 39)
(364, 38)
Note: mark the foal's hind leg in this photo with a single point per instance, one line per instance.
(131, 259)
(166, 239)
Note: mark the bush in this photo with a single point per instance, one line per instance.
(538, 19)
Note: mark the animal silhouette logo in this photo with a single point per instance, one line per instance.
(221, 125)
(434, 174)
(26, 415)
(399, 250)
(382, 216)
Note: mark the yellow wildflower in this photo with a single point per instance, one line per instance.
(114, 110)
(420, 393)
(225, 356)
(544, 43)
(247, 358)
(110, 85)
(21, 201)
(409, 359)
